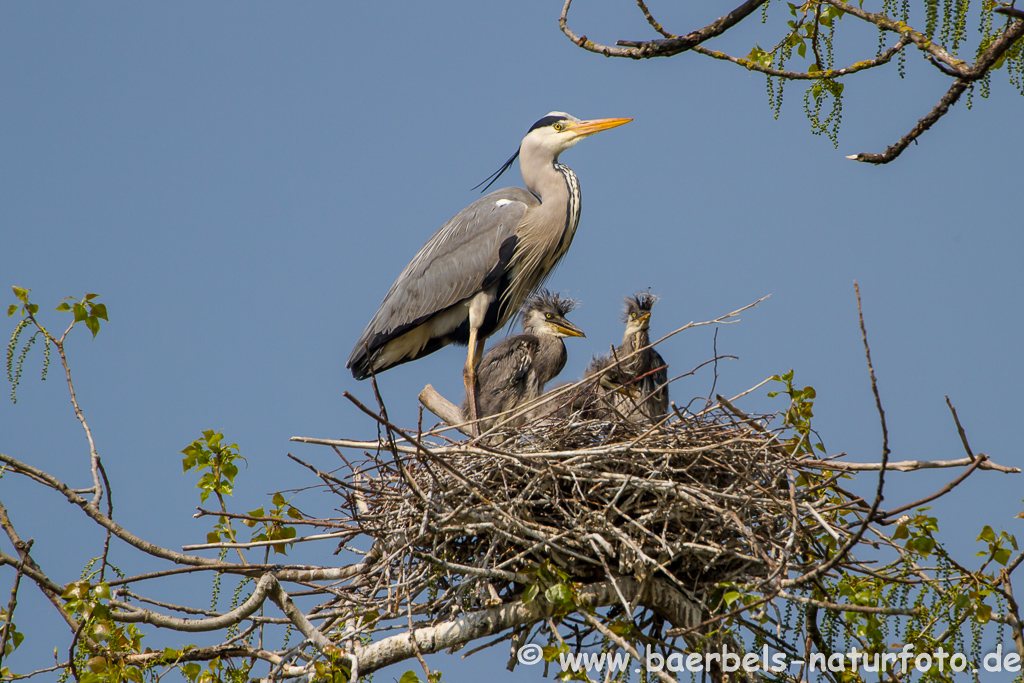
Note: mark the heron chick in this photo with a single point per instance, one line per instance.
(477, 271)
(594, 397)
(638, 365)
(513, 373)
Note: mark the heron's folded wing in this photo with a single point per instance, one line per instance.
(451, 267)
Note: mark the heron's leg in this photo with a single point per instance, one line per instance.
(477, 312)
(469, 377)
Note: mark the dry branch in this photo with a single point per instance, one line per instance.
(964, 73)
(444, 409)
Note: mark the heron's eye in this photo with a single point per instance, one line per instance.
(548, 316)
(559, 126)
(633, 316)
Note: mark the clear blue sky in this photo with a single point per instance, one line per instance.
(242, 182)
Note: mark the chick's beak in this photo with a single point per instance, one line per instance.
(567, 328)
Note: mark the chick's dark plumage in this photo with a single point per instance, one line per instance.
(643, 372)
(514, 372)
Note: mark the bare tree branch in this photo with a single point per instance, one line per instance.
(939, 55)
(660, 48)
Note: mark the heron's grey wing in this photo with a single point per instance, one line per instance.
(468, 252)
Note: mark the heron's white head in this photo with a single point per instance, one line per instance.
(558, 131)
(548, 138)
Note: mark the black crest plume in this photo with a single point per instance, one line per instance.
(497, 174)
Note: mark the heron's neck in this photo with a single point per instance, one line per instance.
(559, 191)
(636, 339)
(549, 359)
(547, 230)
(572, 189)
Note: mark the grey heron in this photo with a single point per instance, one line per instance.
(514, 372)
(595, 397)
(476, 272)
(642, 369)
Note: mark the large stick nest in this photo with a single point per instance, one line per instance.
(699, 500)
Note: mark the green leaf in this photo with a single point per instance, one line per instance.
(75, 590)
(924, 545)
(559, 594)
(621, 627)
(550, 652)
(987, 534)
(730, 598)
(279, 499)
(409, 677)
(64, 306)
(530, 593)
(102, 631)
(11, 309)
(983, 613)
(1002, 556)
(21, 293)
(100, 311)
(97, 664)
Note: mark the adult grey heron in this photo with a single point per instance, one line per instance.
(514, 372)
(642, 369)
(475, 273)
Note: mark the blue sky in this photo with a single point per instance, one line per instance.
(242, 183)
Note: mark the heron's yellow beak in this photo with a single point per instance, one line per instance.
(612, 386)
(568, 329)
(585, 128)
(631, 392)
